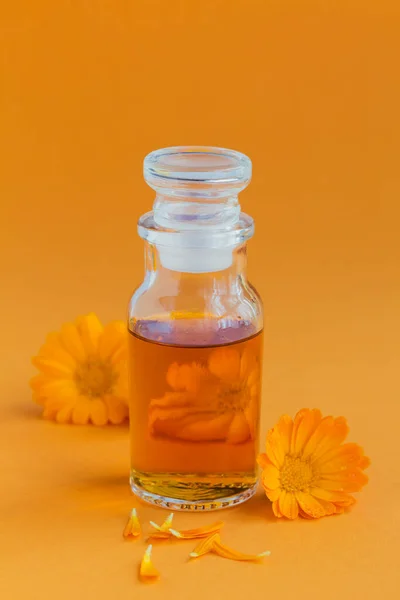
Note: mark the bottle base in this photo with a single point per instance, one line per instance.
(193, 492)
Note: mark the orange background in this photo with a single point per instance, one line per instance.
(310, 91)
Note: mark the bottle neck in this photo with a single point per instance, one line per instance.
(190, 213)
(232, 271)
(202, 218)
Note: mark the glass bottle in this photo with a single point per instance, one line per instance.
(195, 335)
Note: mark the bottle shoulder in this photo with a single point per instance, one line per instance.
(219, 306)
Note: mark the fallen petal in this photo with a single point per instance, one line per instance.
(159, 535)
(165, 526)
(147, 570)
(227, 552)
(190, 534)
(162, 531)
(132, 528)
(205, 546)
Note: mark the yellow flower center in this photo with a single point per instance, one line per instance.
(296, 474)
(94, 377)
(232, 397)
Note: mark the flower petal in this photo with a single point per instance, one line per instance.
(98, 412)
(187, 377)
(81, 412)
(55, 405)
(214, 428)
(147, 570)
(329, 434)
(90, 330)
(288, 505)
(275, 508)
(239, 430)
(226, 552)
(165, 527)
(274, 448)
(304, 428)
(113, 337)
(284, 427)
(132, 528)
(224, 363)
(296, 424)
(304, 515)
(310, 505)
(341, 455)
(329, 507)
(364, 462)
(54, 350)
(37, 381)
(270, 477)
(263, 460)
(159, 535)
(335, 435)
(64, 414)
(248, 367)
(251, 412)
(50, 389)
(273, 494)
(58, 388)
(351, 481)
(117, 410)
(172, 400)
(339, 463)
(71, 340)
(190, 534)
(346, 503)
(331, 496)
(51, 368)
(204, 546)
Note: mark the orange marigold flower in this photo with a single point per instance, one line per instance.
(307, 471)
(216, 401)
(83, 373)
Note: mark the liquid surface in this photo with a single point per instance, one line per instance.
(194, 408)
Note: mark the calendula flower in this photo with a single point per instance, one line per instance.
(213, 544)
(210, 402)
(83, 373)
(307, 470)
(147, 571)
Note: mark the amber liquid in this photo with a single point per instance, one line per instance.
(194, 412)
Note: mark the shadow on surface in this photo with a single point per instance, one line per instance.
(23, 408)
(258, 507)
(103, 492)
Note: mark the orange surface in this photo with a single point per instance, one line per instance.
(310, 91)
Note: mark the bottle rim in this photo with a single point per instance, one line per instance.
(197, 171)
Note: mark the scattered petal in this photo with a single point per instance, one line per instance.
(190, 534)
(148, 572)
(162, 531)
(226, 552)
(165, 526)
(204, 546)
(214, 544)
(132, 528)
